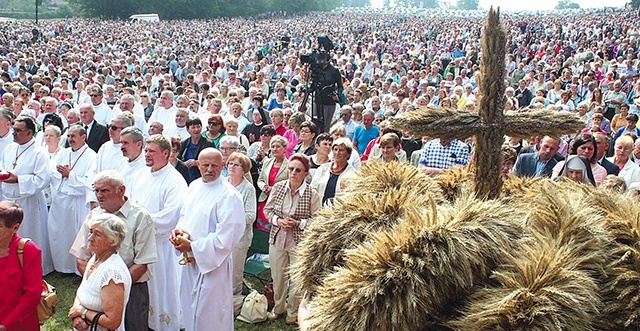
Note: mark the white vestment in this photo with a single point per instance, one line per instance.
(32, 169)
(162, 193)
(109, 157)
(68, 207)
(164, 115)
(215, 220)
(104, 114)
(4, 142)
(129, 171)
(173, 131)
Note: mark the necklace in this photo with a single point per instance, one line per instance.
(15, 162)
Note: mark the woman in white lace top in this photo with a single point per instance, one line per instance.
(104, 291)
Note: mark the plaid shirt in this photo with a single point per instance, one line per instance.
(434, 155)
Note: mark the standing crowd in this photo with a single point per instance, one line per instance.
(144, 156)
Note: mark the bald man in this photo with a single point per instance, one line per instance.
(215, 221)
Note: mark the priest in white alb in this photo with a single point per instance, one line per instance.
(71, 182)
(27, 166)
(131, 144)
(110, 156)
(214, 221)
(160, 189)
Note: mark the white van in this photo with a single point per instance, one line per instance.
(144, 18)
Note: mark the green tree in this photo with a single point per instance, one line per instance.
(357, 3)
(635, 4)
(567, 4)
(468, 4)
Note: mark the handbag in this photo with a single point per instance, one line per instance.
(94, 323)
(49, 297)
(254, 308)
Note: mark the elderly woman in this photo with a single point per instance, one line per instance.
(103, 294)
(339, 131)
(20, 285)
(577, 168)
(307, 136)
(274, 170)
(389, 144)
(629, 171)
(238, 165)
(293, 134)
(328, 177)
(586, 146)
(277, 120)
(291, 204)
(215, 129)
(49, 119)
(232, 130)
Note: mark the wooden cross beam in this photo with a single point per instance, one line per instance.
(489, 125)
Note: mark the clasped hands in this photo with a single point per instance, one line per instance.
(288, 223)
(75, 313)
(179, 240)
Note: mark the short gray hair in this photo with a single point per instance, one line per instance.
(136, 134)
(114, 228)
(112, 176)
(126, 121)
(234, 141)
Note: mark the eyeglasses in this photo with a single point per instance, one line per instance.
(233, 165)
(215, 123)
(226, 149)
(144, 96)
(305, 131)
(296, 170)
(114, 128)
(94, 95)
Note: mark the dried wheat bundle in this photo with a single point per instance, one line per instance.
(375, 200)
(544, 122)
(406, 277)
(444, 123)
(621, 214)
(544, 287)
(453, 181)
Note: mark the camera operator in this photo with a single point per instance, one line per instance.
(329, 83)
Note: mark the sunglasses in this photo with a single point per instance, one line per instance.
(296, 170)
(114, 128)
(93, 95)
(215, 123)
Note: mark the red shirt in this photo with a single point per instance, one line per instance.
(20, 289)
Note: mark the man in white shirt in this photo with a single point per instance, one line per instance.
(131, 144)
(28, 167)
(104, 113)
(165, 113)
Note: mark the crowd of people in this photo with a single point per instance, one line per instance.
(144, 156)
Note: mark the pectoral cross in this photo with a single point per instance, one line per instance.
(488, 124)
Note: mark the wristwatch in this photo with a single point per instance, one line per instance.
(84, 314)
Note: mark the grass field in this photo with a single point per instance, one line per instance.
(66, 286)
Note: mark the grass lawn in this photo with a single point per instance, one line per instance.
(66, 286)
